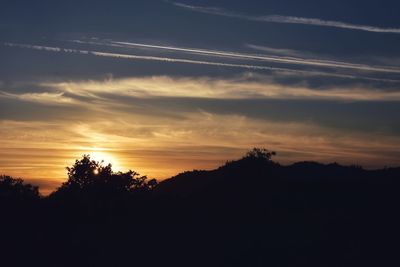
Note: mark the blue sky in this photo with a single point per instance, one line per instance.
(164, 86)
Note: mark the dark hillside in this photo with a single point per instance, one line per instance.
(249, 212)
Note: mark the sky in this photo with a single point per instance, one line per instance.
(161, 87)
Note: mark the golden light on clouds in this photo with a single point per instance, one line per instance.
(241, 87)
(111, 121)
(199, 141)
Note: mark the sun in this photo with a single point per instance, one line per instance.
(106, 157)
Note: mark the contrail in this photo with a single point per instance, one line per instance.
(190, 61)
(138, 57)
(287, 19)
(267, 58)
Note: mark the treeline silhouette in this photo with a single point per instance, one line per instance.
(248, 212)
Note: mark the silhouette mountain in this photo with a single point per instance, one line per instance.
(262, 175)
(248, 212)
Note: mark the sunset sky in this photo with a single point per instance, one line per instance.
(161, 87)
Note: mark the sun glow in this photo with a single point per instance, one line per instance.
(105, 157)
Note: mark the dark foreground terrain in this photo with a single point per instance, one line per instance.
(249, 212)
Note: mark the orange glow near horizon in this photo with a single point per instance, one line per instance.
(46, 167)
(50, 175)
(163, 141)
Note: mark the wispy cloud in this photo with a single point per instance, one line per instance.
(47, 98)
(287, 19)
(241, 87)
(279, 51)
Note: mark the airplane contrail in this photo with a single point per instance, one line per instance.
(191, 61)
(289, 60)
(235, 55)
(287, 19)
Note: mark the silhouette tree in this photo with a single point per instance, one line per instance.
(88, 175)
(16, 189)
(260, 153)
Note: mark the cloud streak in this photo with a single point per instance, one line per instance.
(235, 88)
(288, 19)
(46, 98)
